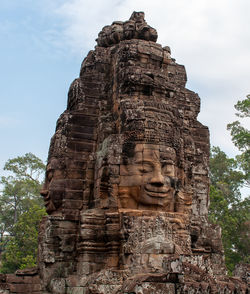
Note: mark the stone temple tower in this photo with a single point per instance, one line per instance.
(127, 184)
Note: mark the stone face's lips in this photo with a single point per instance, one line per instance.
(44, 192)
(157, 192)
(159, 195)
(46, 201)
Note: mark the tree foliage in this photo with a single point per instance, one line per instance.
(21, 249)
(241, 138)
(21, 189)
(228, 209)
(228, 175)
(21, 207)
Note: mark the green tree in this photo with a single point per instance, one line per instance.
(227, 176)
(20, 189)
(224, 174)
(241, 138)
(21, 250)
(19, 199)
(227, 208)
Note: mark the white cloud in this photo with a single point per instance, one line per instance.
(209, 37)
(83, 19)
(7, 122)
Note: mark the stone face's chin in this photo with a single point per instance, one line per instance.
(49, 206)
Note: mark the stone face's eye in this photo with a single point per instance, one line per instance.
(168, 169)
(145, 167)
(49, 175)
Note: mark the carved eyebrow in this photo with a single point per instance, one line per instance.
(167, 161)
(156, 154)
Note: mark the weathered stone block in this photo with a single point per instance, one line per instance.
(76, 290)
(25, 288)
(57, 286)
(4, 291)
(156, 288)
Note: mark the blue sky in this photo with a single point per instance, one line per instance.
(35, 75)
(44, 42)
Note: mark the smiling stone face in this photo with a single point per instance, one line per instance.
(149, 179)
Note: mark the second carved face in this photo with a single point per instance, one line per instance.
(53, 189)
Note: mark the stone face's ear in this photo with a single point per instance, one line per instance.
(128, 151)
(183, 202)
(124, 169)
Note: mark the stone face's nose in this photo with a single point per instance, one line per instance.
(44, 192)
(157, 179)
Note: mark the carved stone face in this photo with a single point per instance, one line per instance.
(117, 31)
(53, 189)
(129, 28)
(149, 179)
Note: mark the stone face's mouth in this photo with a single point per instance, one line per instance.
(46, 198)
(47, 203)
(160, 192)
